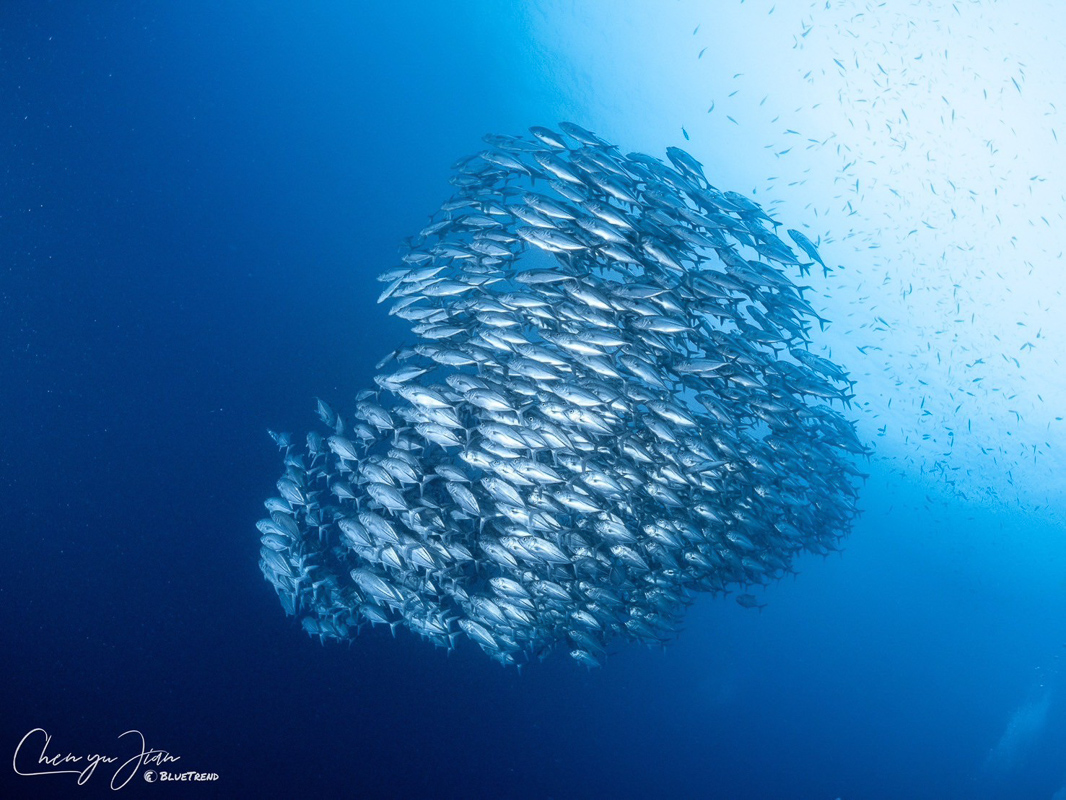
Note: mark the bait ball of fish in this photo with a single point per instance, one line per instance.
(609, 406)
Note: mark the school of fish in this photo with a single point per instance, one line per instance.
(610, 405)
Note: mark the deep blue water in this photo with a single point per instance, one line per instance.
(194, 202)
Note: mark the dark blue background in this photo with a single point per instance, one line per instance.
(195, 201)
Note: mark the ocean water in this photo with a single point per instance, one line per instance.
(195, 201)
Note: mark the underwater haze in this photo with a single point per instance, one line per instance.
(196, 203)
